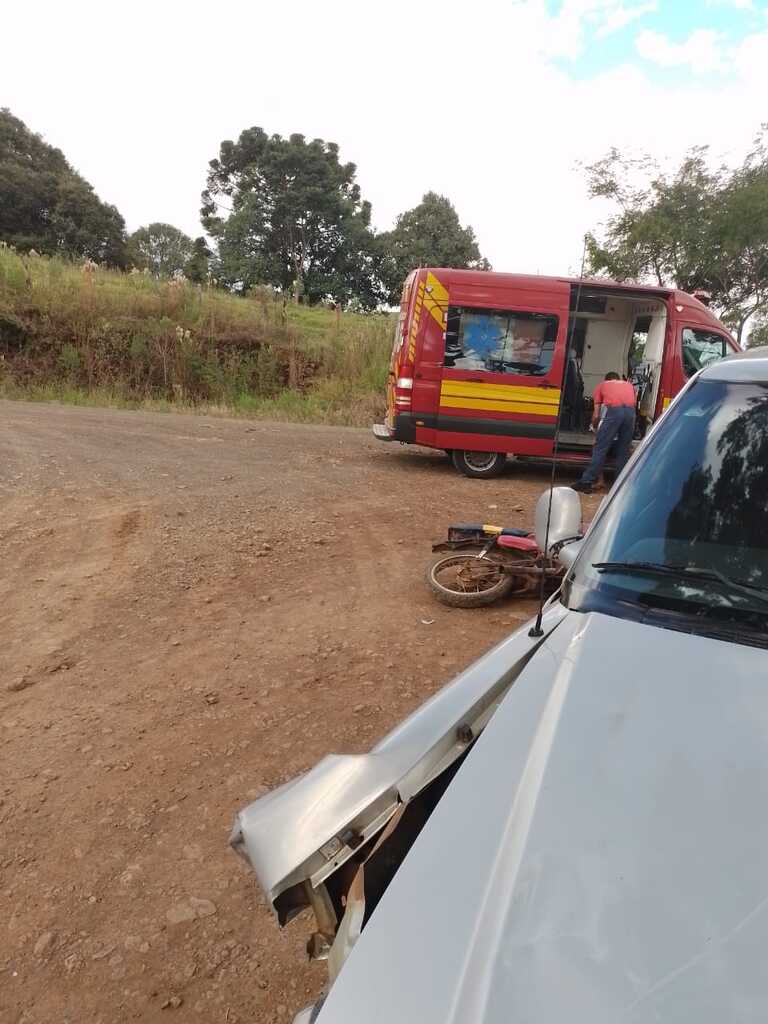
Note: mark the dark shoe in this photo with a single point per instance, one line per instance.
(582, 488)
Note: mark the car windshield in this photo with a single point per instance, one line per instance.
(687, 529)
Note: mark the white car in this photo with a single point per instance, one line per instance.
(575, 829)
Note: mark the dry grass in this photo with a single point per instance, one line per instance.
(102, 337)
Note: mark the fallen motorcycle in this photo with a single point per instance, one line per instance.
(486, 563)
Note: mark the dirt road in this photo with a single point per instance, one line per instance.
(193, 610)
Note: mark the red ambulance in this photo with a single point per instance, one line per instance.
(485, 365)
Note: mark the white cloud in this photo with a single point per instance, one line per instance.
(702, 51)
(739, 5)
(750, 58)
(568, 30)
(619, 17)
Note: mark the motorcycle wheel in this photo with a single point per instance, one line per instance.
(465, 581)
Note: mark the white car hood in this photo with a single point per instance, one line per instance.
(602, 855)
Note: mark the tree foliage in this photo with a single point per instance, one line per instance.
(758, 334)
(197, 267)
(161, 249)
(429, 235)
(287, 212)
(696, 228)
(47, 206)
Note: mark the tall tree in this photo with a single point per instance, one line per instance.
(758, 334)
(428, 235)
(696, 228)
(287, 212)
(740, 242)
(47, 206)
(197, 267)
(160, 248)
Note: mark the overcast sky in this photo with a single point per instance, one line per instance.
(491, 103)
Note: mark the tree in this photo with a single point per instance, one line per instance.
(161, 249)
(740, 242)
(197, 267)
(697, 228)
(662, 224)
(83, 226)
(286, 212)
(758, 335)
(47, 206)
(428, 235)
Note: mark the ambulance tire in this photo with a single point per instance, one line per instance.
(480, 465)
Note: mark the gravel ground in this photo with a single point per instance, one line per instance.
(194, 610)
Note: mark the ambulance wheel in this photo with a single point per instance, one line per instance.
(481, 465)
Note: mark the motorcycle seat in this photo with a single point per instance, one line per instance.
(510, 531)
(506, 540)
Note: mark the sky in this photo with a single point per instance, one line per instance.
(497, 104)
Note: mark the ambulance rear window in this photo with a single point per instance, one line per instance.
(499, 341)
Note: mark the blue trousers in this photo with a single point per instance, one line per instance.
(618, 425)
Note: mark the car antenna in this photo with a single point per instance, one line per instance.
(536, 630)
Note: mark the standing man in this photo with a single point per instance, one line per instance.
(618, 424)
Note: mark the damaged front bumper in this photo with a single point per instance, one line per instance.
(333, 838)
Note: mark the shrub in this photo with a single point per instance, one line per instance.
(66, 326)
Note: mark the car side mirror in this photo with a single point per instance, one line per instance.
(564, 517)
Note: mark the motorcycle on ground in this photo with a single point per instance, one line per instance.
(479, 564)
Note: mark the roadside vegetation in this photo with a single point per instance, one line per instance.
(82, 334)
(277, 310)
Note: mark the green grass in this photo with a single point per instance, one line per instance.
(329, 402)
(107, 338)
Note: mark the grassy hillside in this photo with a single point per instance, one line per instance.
(96, 336)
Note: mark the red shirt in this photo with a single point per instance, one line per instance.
(614, 392)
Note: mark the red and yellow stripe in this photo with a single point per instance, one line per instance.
(436, 300)
(432, 297)
(510, 399)
(417, 307)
